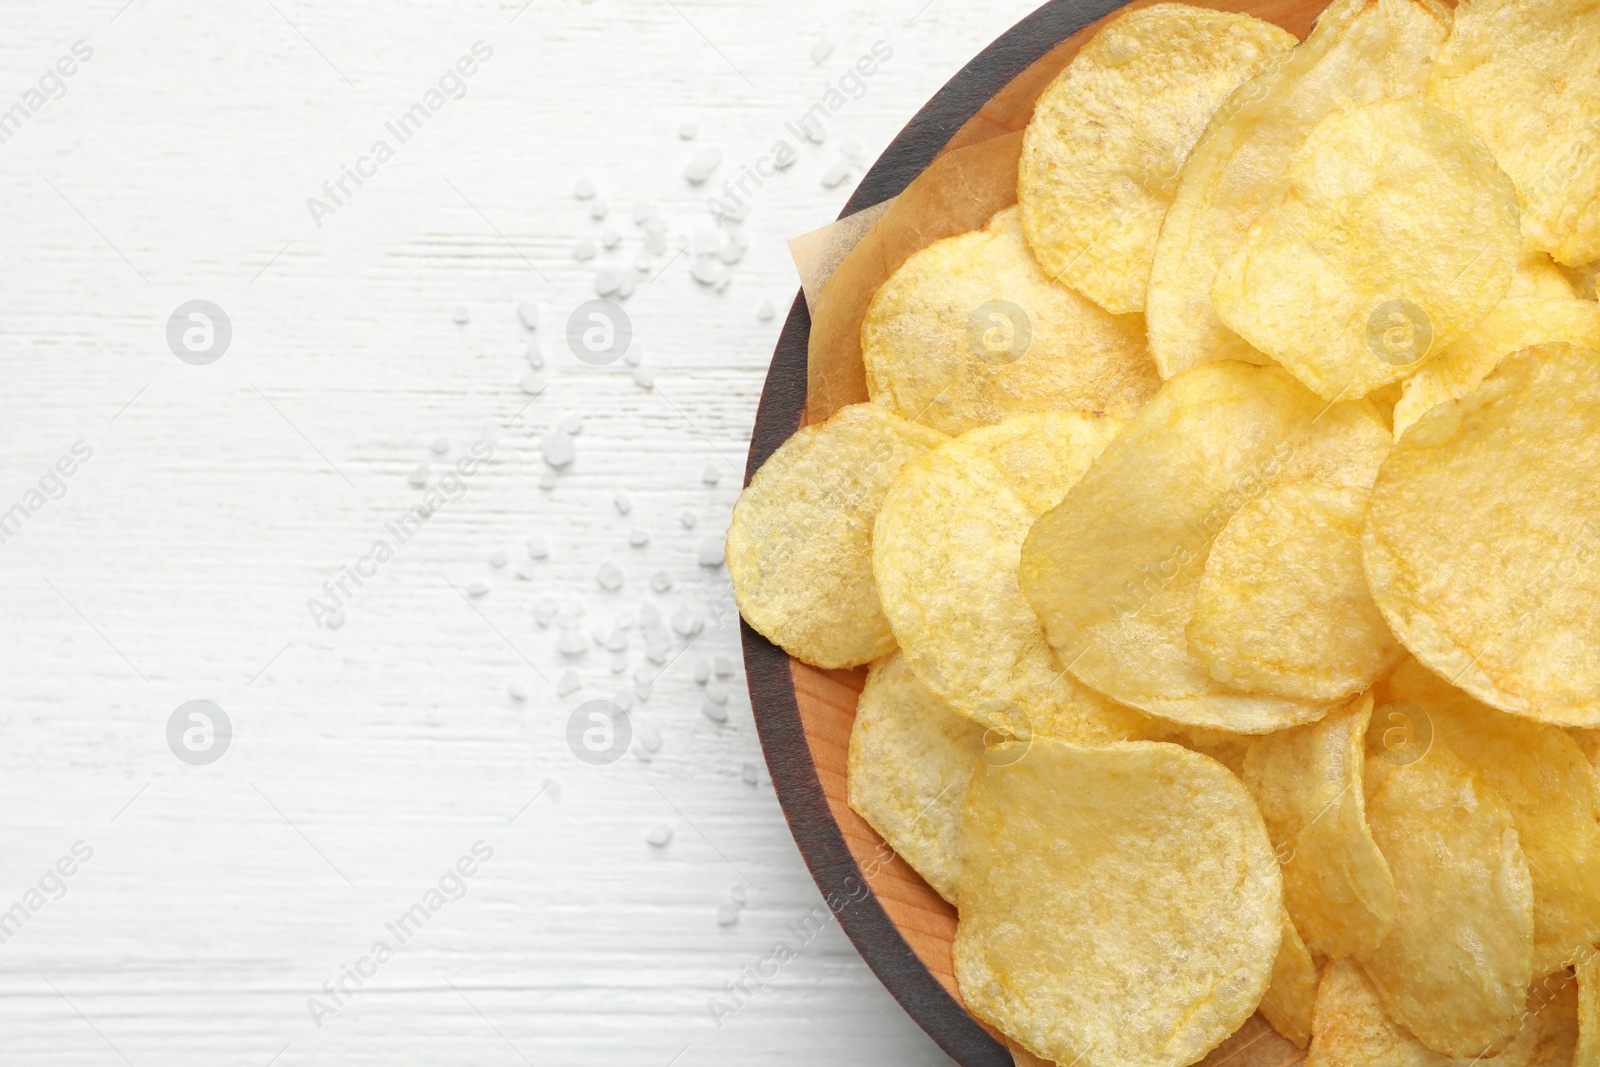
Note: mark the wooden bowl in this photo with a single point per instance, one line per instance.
(901, 927)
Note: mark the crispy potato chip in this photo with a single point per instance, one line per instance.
(1589, 741)
(1514, 324)
(1540, 276)
(970, 330)
(910, 758)
(1547, 782)
(1223, 746)
(1361, 51)
(1353, 1030)
(1174, 947)
(1283, 605)
(945, 553)
(1101, 156)
(1526, 75)
(1113, 571)
(1588, 1053)
(1308, 782)
(1481, 532)
(1583, 279)
(1395, 235)
(800, 544)
(1290, 999)
(1455, 966)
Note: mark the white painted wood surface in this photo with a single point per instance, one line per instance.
(177, 564)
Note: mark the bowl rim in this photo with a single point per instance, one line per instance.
(772, 691)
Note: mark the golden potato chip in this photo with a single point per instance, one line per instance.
(1547, 782)
(1174, 946)
(799, 547)
(1361, 51)
(945, 553)
(1101, 156)
(1526, 75)
(1352, 1029)
(1588, 1053)
(1225, 747)
(1480, 533)
(1514, 324)
(910, 758)
(1395, 235)
(1540, 276)
(1283, 605)
(1582, 279)
(969, 330)
(1114, 569)
(1290, 999)
(1456, 965)
(1308, 782)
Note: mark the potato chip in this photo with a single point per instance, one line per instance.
(1455, 966)
(1582, 279)
(1225, 747)
(1101, 156)
(1588, 1053)
(1481, 530)
(1395, 235)
(1353, 1030)
(1360, 51)
(799, 547)
(1292, 995)
(1514, 324)
(1540, 276)
(1547, 782)
(945, 553)
(1283, 605)
(1526, 75)
(1113, 571)
(1174, 947)
(1308, 782)
(969, 330)
(910, 758)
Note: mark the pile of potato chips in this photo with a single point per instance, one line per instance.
(1223, 535)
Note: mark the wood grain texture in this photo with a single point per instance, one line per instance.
(805, 714)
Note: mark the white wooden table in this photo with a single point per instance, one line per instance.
(175, 163)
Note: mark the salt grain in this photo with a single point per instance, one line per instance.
(711, 474)
(650, 737)
(749, 774)
(517, 691)
(547, 480)
(558, 448)
(544, 611)
(704, 162)
(688, 131)
(727, 914)
(702, 671)
(440, 445)
(535, 355)
(723, 666)
(531, 383)
(537, 549)
(623, 504)
(609, 576)
(497, 559)
(688, 520)
(714, 712)
(460, 316)
(584, 189)
(658, 835)
(711, 552)
(598, 210)
(584, 250)
(572, 643)
(476, 589)
(644, 377)
(820, 51)
(638, 538)
(572, 424)
(610, 237)
(528, 312)
(717, 692)
(608, 281)
(685, 623)
(766, 312)
(418, 478)
(661, 581)
(569, 683)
